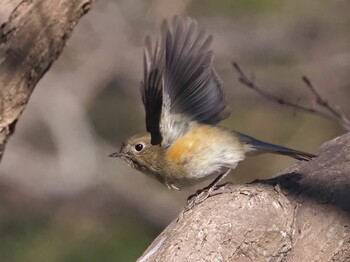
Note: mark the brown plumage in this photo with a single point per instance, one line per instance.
(184, 102)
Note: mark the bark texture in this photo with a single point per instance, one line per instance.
(302, 215)
(32, 36)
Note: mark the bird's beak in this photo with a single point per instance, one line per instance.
(116, 154)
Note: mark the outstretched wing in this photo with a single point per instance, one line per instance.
(191, 88)
(151, 87)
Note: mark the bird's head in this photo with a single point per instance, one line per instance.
(139, 153)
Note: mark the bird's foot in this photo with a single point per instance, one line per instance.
(203, 194)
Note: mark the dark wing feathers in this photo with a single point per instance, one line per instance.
(189, 78)
(180, 84)
(151, 88)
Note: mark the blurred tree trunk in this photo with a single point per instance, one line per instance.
(302, 215)
(32, 36)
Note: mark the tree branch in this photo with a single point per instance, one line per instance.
(302, 215)
(30, 41)
(335, 115)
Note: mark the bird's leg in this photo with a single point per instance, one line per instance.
(205, 192)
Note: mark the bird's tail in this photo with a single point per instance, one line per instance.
(257, 147)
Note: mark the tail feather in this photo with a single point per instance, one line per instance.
(258, 147)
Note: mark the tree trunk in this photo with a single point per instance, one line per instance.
(32, 36)
(302, 215)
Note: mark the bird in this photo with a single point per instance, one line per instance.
(184, 103)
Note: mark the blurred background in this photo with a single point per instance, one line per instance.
(63, 199)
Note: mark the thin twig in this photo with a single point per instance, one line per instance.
(336, 112)
(335, 115)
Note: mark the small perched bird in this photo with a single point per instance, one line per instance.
(184, 102)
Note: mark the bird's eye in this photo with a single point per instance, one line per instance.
(139, 147)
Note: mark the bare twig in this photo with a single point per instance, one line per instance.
(335, 114)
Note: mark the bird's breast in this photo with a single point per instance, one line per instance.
(204, 150)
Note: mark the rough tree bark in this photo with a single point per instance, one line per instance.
(302, 215)
(32, 36)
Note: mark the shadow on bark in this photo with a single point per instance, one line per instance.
(301, 215)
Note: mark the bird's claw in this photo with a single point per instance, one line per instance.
(203, 194)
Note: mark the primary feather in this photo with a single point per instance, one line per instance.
(191, 88)
(180, 85)
(151, 87)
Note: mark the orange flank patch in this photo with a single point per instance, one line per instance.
(181, 148)
(191, 142)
